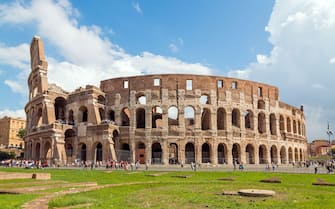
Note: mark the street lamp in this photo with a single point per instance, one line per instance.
(329, 133)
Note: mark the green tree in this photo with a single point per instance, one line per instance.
(21, 133)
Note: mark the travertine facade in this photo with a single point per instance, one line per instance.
(161, 119)
(9, 129)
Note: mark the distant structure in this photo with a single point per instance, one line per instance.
(9, 129)
(320, 147)
(160, 119)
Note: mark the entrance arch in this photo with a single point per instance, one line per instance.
(222, 153)
(140, 152)
(189, 153)
(290, 155)
(250, 154)
(262, 154)
(124, 152)
(37, 151)
(83, 152)
(205, 153)
(236, 153)
(156, 153)
(296, 155)
(98, 152)
(173, 153)
(274, 154)
(283, 159)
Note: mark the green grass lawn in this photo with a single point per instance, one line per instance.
(199, 190)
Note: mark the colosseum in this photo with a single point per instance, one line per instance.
(160, 119)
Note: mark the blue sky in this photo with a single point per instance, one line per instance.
(284, 43)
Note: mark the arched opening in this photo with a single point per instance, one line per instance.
(261, 123)
(173, 153)
(59, 106)
(294, 127)
(189, 116)
(236, 118)
(249, 120)
(250, 154)
(221, 119)
(299, 128)
(205, 153)
(98, 152)
(47, 155)
(101, 100)
(283, 159)
(273, 127)
(274, 154)
(236, 153)
(140, 118)
(140, 152)
(102, 113)
(124, 152)
(69, 143)
(222, 154)
(39, 117)
(296, 155)
(71, 118)
(206, 119)
(262, 152)
(281, 124)
(189, 153)
(125, 116)
(37, 151)
(156, 153)
(141, 99)
(261, 104)
(111, 115)
(300, 153)
(204, 99)
(157, 121)
(173, 116)
(83, 114)
(290, 155)
(288, 124)
(83, 152)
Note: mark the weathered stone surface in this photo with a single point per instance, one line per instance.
(256, 193)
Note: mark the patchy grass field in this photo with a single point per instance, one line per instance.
(171, 190)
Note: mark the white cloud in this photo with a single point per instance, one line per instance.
(173, 48)
(13, 113)
(176, 45)
(137, 7)
(301, 61)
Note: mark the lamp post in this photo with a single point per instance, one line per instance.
(329, 133)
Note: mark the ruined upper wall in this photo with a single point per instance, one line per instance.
(37, 58)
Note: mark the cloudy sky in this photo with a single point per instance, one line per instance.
(286, 43)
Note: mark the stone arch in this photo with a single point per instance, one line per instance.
(206, 119)
(173, 153)
(205, 153)
(281, 123)
(141, 98)
(102, 113)
(124, 152)
(83, 151)
(301, 156)
(173, 116)
(156, 153)
(294, 127)
(283, 156)
(262, 152)
(140, 152)
(39, 117)
(125, 116)
(189, 153)
(235, 117)
(222, 153)
(249, 120)
(261, 104)
(189, 116)
(60, 107)
(140, 118)
(37, 151)
(273, 126)
(290, 155)
(274, 154)
(250, 154)
(299, 128)
(288, 124)
(69, 137)
(71, 118)
(83, 114)
(204, 99)
(236, 153)
(261, 123)
(157, 113)
(101, 100)
(221, 119)
(47, 154)
(296, 155)
(111, 115)
(98, 152)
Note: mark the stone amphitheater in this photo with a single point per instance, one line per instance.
(160, 119)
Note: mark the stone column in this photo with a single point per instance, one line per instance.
(243, 154)
(214, 153)
(181, 152)
(229, 154)
(256, 154)
(165, 152)
(148, 152)
(197, 149)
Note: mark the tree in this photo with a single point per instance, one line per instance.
(21, 133)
